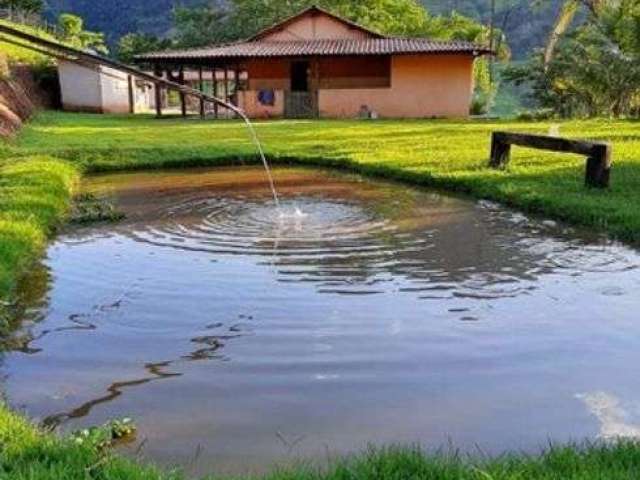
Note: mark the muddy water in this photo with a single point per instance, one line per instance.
(238, 338)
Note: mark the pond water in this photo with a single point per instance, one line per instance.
(364, 312)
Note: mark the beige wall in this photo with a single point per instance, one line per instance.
(316, 27)
(421, 86)
(249, 103)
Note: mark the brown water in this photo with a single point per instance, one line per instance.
(238, 337)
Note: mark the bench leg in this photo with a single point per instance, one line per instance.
(599, 168)
(500, 153)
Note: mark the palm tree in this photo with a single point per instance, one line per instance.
(564, 19)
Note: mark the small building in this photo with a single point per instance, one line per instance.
(317, 64)
(100, 89)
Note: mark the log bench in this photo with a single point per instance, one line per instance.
(598, 154)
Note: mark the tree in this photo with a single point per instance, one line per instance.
(567, 14)
(202, 25)
(73, 33)
(134, 44)
(213, 23)
(595, 69)
(24, 6)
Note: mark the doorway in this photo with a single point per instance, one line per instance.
(300, 76)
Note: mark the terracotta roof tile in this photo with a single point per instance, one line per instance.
(301, 48)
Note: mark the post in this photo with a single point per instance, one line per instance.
(158, 92)
(226, 84)
(236, 86)
(500, 151)
(215, 91)
(201, 85)
(132, 97)
(183, 97)
(598, 172)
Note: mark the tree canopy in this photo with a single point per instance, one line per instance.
(594, 69)
(72, 32)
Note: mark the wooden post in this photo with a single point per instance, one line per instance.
(183, 97)
(132, 96)
(157, 71)
(226, 83)
(598, 172)
(236, 87)
(215, 91)
(500, 151)
(201, 85)
(316, 87)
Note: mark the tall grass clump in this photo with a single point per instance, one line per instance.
(35, 195)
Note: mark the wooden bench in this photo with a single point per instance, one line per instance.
(598, 153)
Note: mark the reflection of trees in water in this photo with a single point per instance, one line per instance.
(207, 348)
(28, 308)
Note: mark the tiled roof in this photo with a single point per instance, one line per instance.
(301, 48)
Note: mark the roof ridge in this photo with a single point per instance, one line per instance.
(275, 27)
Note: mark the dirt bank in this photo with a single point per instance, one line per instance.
(20, 97)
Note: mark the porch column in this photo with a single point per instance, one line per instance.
(132, 97)
(236, 89)
(316, 86)
(202, 113)
(214, 71)
(183, 97)
(226, 83)
(158, 91)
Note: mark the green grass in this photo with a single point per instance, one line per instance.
(446, 154)
(27, 453)
(34, 197)
(35, 192)
(16, 54)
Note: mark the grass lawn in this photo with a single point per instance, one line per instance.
(39, 169)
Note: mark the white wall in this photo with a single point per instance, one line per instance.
(93, 89)
(114, 91)
(80, 87)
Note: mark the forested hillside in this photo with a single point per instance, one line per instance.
(525, 23)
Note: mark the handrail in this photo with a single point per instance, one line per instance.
(75, 55)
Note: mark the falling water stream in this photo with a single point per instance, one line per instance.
(258, 145)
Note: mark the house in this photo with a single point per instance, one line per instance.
(100, 89)
(317, 64)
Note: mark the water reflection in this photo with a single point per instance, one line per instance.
(368, 312)
(615, 420)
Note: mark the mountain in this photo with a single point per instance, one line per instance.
(526, 26)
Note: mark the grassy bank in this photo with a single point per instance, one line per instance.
(446, 154)
(34, 197)
(29, 454)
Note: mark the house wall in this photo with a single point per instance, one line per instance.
(114, 87)
(418, 86)
(80, 87)
(93, 89)
(318, 27)
(421, 86)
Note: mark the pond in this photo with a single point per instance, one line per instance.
(364, 312)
